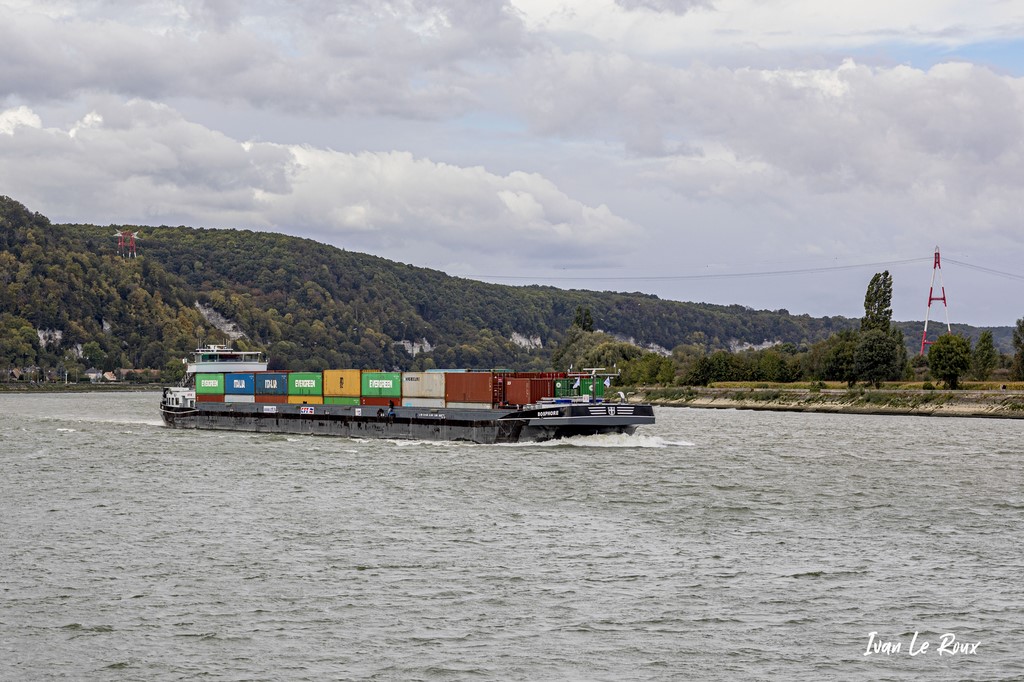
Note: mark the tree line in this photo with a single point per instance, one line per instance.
(69, 302)
(871, 354)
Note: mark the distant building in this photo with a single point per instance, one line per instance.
(93, 374)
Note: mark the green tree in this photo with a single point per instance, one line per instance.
(948, 358)
(1017, 369)
(650, 368)
(840, 360)
(877, 357)
(583, 319)
(93, 354)
(984, 357)
(878, 303)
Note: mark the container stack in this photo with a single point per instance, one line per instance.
(271, 387)
(423, 389)
(472, 390)
(305, 388)
(381, 388)
(342, 387)
(239, 388)
(430, 389)
(210, 388)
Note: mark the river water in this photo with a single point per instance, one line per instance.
(720, 545)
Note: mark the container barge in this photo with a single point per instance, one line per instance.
(233, 390)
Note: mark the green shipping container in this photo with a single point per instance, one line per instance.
(340, 400)
(382, 385)
(585, 385)
(564, 387)
(210, 384)
(305, 383)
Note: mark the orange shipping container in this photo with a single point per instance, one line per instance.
(342, 383)
(306, 399)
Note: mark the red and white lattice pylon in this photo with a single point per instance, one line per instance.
(936, 268)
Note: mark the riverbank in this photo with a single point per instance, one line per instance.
(997, 403)
(83, 387)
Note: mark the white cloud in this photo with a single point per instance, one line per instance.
(534, 137)
(19, 116)
(143, 162)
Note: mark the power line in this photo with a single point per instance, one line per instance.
(735, 275)
(1000, 273)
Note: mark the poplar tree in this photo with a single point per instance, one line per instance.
(880, 354)
(878, 303)
(1017, 371)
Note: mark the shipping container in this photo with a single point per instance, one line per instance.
(423, 385)
(342, 383)
(526, 391)
(592, 387)
(209, 397)
(540, 375)
(382, 385)
(271, 398)
(236, 398)
(209, 384)
(376, 401)
(340, 400)
(271, 383)
(567, 387)
(471, 387)
(306, 400)
(305, 383)
(422, 402)
(239, 384)
(469, 405)
(517, 391)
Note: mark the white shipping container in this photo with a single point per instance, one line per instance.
(423, 385)
(469, 406)
(422, 402)
(231, 398)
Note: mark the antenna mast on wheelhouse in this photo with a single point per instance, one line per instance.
(936, 267)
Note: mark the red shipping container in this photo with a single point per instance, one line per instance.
(541, 388)
(271, 398)
(378, 402)
(209, 397)
(517, 391)
(526, 391)
(468, 387)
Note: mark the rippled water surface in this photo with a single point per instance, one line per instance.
(714, 545)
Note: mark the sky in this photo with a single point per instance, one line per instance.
(773, 154)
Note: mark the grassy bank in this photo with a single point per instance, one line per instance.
(907, 399)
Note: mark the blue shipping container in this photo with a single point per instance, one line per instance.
(238, 384)
(271, 383)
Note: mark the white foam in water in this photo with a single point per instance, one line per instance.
(606, 440)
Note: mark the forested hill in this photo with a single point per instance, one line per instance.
(67, 297)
